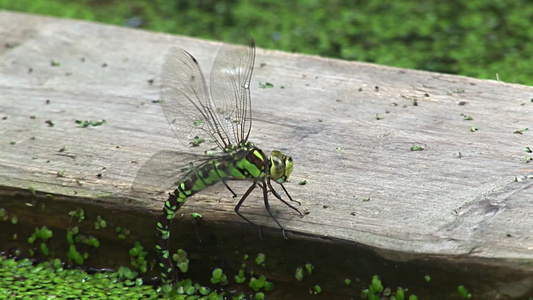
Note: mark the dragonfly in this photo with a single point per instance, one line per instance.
(218, 117)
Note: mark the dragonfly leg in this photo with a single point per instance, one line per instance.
(238, 206)
(229, 189)
(267, 206)
(277, 195)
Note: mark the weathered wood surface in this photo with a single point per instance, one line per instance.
(459, 196)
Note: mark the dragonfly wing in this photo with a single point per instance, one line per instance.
(164, 169)
(187, 103)
(230, 89)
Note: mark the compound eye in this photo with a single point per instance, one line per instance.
(278, 163)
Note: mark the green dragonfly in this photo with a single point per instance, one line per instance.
(218, 117)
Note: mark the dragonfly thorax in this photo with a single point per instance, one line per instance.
(255, 164)
(280, 166)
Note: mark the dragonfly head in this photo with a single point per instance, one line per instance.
(280, 166)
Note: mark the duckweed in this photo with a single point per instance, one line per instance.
(299, 275)
(260, 259)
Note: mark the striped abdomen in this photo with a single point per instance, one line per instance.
(242, 164)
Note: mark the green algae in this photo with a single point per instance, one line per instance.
(50, 280)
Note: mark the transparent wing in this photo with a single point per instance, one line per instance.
(230, 89)
(164, 169)
(186, 102)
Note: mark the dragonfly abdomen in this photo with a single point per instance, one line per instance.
(195, 181)
(240, 164)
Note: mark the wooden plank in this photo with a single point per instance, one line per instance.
(459, 196)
